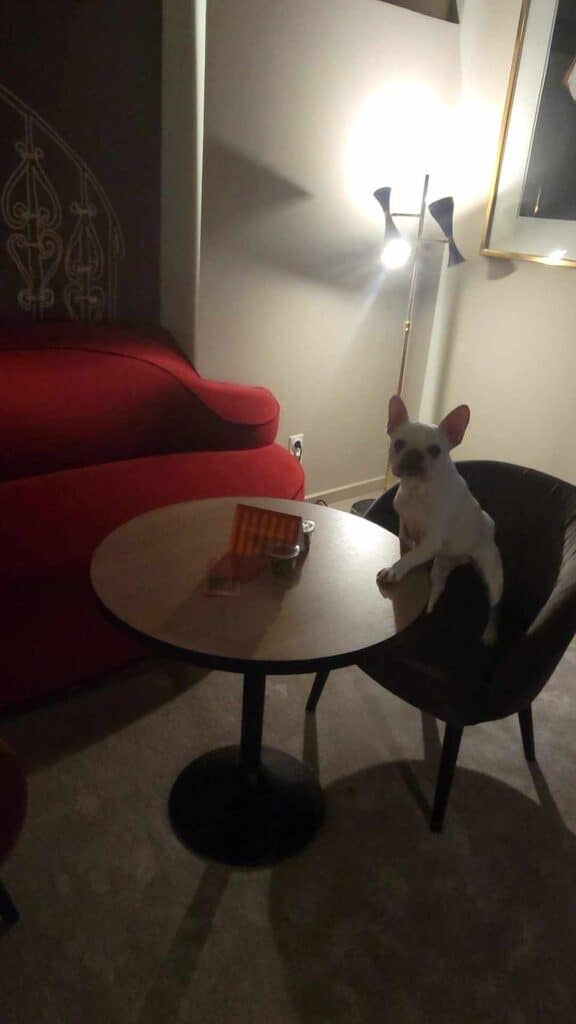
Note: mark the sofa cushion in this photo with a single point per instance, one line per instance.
(52, 630)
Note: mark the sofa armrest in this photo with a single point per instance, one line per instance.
(235, 416)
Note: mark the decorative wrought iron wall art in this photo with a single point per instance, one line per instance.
(65, 240)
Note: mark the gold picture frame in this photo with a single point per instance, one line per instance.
(516, 225)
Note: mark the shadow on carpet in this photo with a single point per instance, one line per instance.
(379, 919)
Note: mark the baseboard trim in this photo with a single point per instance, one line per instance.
(376, 484)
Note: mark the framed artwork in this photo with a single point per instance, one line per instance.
(531, 211)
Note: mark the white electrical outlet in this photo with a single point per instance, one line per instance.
(296, 445)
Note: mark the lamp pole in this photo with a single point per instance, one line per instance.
(442, 210)
(413, 282)
(411, 300)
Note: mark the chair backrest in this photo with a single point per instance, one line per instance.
(535, 517)
(531, 511)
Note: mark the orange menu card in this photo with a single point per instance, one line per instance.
(256, 530)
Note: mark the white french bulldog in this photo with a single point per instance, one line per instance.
(440, 520)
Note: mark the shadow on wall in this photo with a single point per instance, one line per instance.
(259, 214)
(467, 227)
(279, 224)
(447, 10)
(242, 187)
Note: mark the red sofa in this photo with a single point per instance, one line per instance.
(99, 424)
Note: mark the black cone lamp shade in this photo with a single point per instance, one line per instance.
(443, 212)
(391, 231)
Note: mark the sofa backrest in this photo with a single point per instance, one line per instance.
(75, 395)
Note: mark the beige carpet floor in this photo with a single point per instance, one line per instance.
(376, 920)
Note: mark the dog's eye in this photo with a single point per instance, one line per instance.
(434, 451)
(399, 445)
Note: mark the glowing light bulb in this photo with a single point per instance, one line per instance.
(396, 254)
(556, 255)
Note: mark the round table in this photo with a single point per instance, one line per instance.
(247, 804)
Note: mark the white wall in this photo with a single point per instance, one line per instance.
(513, 338)
(288, 272)
(291, 292)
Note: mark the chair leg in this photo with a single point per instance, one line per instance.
(316, 691)
(8, 910)
(450, 748)
(527, 730)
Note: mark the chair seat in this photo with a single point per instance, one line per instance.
(439, 664)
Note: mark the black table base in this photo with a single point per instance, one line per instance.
(225, 813)
(245, 805)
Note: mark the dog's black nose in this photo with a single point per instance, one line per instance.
(411, 463)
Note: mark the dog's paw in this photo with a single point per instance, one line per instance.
(386, 576)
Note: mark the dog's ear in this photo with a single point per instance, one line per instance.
(397, 414)
(455, 423)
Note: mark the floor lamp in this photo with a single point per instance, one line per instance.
(395, 254)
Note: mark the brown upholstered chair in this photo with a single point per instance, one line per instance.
(439, 664)
(13, 797)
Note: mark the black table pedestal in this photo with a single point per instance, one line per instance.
(247, 805)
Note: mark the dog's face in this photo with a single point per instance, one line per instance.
(418, 451)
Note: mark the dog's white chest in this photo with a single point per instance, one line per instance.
(414, 513)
